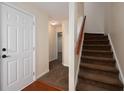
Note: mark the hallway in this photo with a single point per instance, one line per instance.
(58, 74)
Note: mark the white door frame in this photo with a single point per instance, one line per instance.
(57, 45)
(34, 33)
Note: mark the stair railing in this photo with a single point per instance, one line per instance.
(78, 50)
(80, 37)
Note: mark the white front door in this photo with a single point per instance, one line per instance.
(17, 49)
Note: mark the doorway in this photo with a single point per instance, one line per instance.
(58, 73)
(59, 46)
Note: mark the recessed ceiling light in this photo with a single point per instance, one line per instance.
(53, 22)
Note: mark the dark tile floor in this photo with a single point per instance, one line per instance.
(58, 74)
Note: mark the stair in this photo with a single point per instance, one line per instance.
(97, 67)
(108, 54)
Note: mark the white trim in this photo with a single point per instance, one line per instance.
(52, 59)
(121, 76)
(71, 54)
(66, 65)
(56, 45)
(42, 74)
(25, 86)
(34, 48)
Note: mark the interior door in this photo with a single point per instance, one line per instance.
(17, 49)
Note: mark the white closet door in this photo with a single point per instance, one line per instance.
(17, 49)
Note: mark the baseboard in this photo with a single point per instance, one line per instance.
(66, 65)
(42, 74)
(35, 80)
(52, 59)
(121, 76)
(26, 85)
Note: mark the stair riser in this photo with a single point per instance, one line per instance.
(96, 42)
(107, 48)
(97, 54)
(101, 62)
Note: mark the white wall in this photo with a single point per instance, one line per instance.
(95, 17)
(42, 50)
(52, 43)
(76, 13)
(65, 43)
(71, 54)
(59, 28)
(115, 27)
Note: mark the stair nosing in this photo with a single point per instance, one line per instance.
(96, 44)
(100, 51)
(96, 40)
(97, 58)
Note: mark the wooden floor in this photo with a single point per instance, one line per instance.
(40, 86)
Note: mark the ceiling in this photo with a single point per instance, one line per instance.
(57, 11)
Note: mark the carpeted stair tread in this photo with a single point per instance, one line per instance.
(96, 42)
(101, 78)
(99, 45)
(84, 86)
(91, 85)
(104, 72)
(106, 47)
(96, 38)
(99, 67)
(97, 53)
(96, 60)
(93, 34)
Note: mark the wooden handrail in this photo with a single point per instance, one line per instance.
(78, 44)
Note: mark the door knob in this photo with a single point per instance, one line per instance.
(4, 49)
(4, 56)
